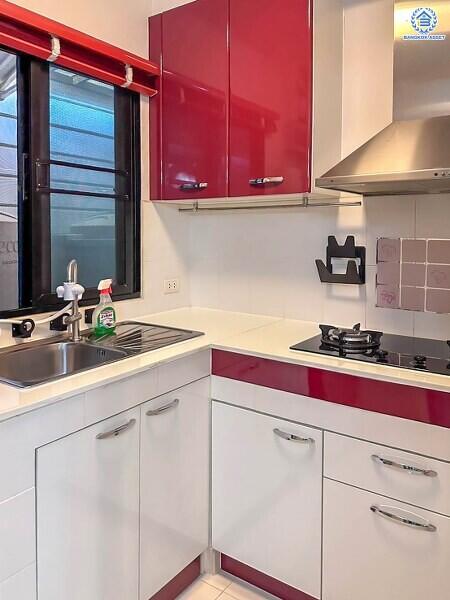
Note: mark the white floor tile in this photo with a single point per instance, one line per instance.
(200, 590)
(219, 581)
(243, 591)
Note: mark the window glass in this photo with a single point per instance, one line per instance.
(8, 183)
(83, 228)
(83, 216)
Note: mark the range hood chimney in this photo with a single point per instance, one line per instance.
(412, 155)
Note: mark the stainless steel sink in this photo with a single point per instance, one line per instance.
(38, 362)
(32, 364)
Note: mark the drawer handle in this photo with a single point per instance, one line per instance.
(266, 180)
(290, 437)
(404, 467)
(163, 409)
(194, 187)
(385, 511)
(117, 431)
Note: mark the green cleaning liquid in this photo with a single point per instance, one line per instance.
(104, 316)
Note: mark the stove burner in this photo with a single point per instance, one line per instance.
(352, 340)
(420, 354)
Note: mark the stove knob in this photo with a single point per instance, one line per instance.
(381, 355)
(420, 360)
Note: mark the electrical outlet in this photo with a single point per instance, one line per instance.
(171, 286)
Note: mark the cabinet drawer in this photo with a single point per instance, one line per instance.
(368, 556)
(402, 475)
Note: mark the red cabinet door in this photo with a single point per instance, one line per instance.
(192, 150)
(270, 96)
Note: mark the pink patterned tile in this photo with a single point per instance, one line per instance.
(388, 296)
(388, 250)
(439, 251)
(413, 274)
(438, 276)
(413, 298)
(388, 273)
(414, 251)
(438, 301)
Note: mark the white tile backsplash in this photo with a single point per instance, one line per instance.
(390, 217)
(264, 262)
(431, 325)
(433, 216)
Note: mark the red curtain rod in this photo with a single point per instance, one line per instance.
(30, 20)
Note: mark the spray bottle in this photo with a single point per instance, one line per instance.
(104, 316)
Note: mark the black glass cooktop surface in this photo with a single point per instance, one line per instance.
(419, 354)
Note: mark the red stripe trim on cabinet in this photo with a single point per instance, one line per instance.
(179, 583)
(261, 580)
(26, 31)
(397, 400)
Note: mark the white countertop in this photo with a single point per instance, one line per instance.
(267, 337)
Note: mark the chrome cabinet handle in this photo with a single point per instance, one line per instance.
(266, 180)
(404, 467)
(189, 187)
(163, 409)
(117, 431)
(386, 512)
(290, 437)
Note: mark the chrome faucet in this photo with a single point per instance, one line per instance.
(72, 291)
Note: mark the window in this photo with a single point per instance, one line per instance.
(69, 184)
(9, 273)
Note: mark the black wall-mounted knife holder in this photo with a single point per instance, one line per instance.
(355, 274)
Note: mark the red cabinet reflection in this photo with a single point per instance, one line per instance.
(270, 96)
(189, 124)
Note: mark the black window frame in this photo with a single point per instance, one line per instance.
(33, 202)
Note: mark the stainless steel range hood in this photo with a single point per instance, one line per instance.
(412, 155)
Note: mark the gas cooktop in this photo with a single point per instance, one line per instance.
(420, 354)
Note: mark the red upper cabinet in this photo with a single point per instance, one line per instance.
(189, 118)
(270, 96)
(233, 117)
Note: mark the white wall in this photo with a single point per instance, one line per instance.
(159, 6)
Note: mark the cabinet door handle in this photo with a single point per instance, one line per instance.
(386, 511)
(403, 466)
(163, 409)
(194, 187)
(117, 431)
(266, 180)
(290, 437)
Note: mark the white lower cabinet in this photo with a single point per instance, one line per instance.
(374, 548)
(21, 586)
(88, 513)
(174, 484)
(267, 495)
